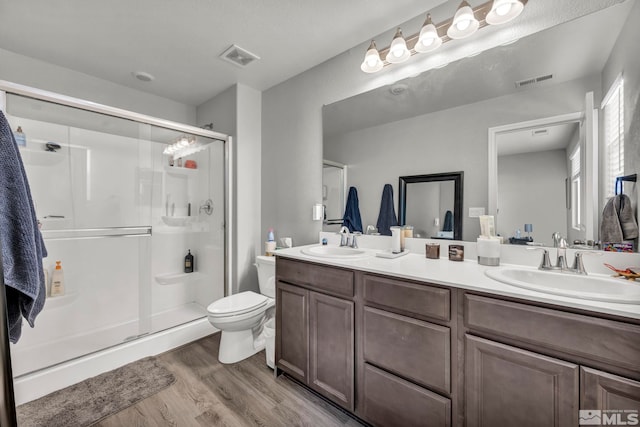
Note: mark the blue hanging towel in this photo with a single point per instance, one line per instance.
(21, 241)
(387, 216)
(351, 218)
(448, 221)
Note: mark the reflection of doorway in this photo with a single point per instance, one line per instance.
(537, 176)
(334, 193)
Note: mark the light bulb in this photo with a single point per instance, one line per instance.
(372, 61)
(464, 22)
(398, 51)
(429, 39)
(503, 9)
(463, 25)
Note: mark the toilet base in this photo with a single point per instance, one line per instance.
(236, 346)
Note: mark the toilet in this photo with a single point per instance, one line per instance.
(241, 316)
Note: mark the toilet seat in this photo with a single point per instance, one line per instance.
(237, 304)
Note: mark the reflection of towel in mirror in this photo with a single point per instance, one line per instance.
(618, 220)
(448, 221)
(351, 218)
(22, 244)
(387, 216)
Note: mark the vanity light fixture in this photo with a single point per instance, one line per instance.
(466, 21)
(429, 39)
(398, 51)
(504, 11)
(372, 61)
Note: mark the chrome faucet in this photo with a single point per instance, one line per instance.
(344, 235)
(561, 261)
(561, 264)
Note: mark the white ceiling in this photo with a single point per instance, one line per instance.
(556, 137)
(179, 41)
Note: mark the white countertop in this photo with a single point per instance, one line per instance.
(462, 274)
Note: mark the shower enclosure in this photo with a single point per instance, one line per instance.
(121, 199)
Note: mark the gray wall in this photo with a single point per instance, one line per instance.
(445, 141)
(237, 112)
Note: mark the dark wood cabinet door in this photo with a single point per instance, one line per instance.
(388, 400)
(331, 347)
(292, 330)
(617, 397)
(508, 386)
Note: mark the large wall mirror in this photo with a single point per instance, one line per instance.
(439, 120)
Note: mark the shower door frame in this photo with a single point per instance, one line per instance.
(43, 95)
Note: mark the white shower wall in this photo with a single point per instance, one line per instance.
(108, 176)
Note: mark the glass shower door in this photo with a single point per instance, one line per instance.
(89, 179)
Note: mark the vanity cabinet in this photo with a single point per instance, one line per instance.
(534, 365)
(402, 352)
(315, 330)
(405, 357)
(604, 391)
(508, 386)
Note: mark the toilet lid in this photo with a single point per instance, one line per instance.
(237, 304)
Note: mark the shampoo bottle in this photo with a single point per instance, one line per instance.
(188, 263)
(57, 281)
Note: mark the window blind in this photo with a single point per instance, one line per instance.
(613, 106)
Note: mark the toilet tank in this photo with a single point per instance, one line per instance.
(266, 266)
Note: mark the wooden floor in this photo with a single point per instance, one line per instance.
(208, 393)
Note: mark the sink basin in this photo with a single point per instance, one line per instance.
(576, 286)
(338, 252)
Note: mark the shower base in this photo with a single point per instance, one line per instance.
(44, 368)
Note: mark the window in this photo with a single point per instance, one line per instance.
(613, 106)
(575, 189)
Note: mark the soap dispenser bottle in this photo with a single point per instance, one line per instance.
(188, 263)
(57, 280)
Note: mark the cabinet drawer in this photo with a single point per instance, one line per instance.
(331, 279)
(392, 401)
(615, 343)
(410, 298)
(417, 350)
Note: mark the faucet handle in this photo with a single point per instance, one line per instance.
(545, 264)
(578, 265)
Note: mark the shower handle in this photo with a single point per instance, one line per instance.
(207, 207)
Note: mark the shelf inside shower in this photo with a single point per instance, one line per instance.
(60, 301)
(175, 278)
(180, 171)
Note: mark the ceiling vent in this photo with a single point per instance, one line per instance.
(239, 56)
(534, 80)
(539, 132)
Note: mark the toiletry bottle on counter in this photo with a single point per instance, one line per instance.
(188, 263)
(57, 280)
(21, 138)
(270, 244)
